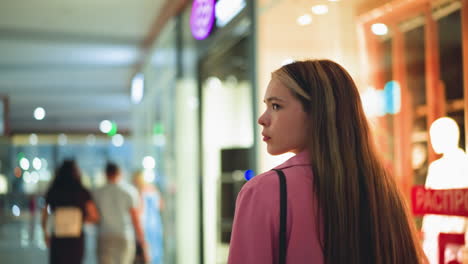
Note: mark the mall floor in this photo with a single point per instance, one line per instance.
(21, 241)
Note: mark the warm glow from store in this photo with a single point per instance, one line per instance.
(304, 20)
(379, 29)
(320, 9)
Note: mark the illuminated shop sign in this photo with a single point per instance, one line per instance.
(202, 18)
(226, 10)
(206, 12)
(440, 202)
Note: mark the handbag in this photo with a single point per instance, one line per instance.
(283, 214)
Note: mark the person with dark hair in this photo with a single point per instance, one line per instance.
(71, 205)
(118, 204)
(333, 202)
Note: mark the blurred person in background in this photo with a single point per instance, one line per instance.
(150, 209)
(118, 205)
(338, 204)
(71, 205)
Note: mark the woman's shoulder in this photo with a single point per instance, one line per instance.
(262, 185)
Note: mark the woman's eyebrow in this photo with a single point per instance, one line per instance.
(273, 98)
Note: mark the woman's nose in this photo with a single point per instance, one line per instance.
(262, 120)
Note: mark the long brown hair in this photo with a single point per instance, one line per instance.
(364, 217)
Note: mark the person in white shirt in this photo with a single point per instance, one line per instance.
(120, 225)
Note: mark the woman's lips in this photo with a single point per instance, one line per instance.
(265, 138)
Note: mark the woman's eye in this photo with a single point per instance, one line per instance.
(275, 106)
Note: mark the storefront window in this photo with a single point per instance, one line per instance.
(227, 124)
(416, 81)
(450, 48)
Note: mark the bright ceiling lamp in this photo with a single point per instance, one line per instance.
(39, 113)
(320, 9)
(379, 29)
(304, 20)
(138, 88)
(105, 126)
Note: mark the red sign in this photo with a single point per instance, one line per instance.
(439, 202)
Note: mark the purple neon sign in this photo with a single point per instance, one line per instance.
(202, 18)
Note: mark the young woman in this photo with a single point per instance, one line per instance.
(342, 206)
(71, 205)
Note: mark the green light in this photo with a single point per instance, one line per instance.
(20, 156)
(158, 128)
(113, 130)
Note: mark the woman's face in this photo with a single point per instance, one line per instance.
(284, 120)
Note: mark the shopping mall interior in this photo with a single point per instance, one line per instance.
(173, 89)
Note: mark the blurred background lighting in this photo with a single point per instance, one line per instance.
(105, 126)
(333, 0)
(304, 20)
(33, 139)
(37, 163)
(113, 130)
(34, 177)
(138, 89)
(118, 140)
(320, 9)
(214, 83)
(44, 163)
(15, 210)
(24, 163)
(39, 113)
(149, 162)
(91, 140)
(149, 176)
(287, 61)
(62, 139)
(3, 184)
(379, 29)
(249, 174)
(27, 177)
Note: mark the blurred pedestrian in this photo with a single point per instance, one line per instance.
(150, 214)
(333, 202)
(71, 205)
(120, 223)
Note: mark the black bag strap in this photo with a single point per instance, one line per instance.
(283, 214)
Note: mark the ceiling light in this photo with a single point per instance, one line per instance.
(105, 126)
(138, 88)
(320, 9)
(333, 0)
(379, 29)
(304, 20)
(39, 113)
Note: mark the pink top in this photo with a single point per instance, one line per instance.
(254, 238)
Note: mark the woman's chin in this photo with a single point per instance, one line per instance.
(275, 152)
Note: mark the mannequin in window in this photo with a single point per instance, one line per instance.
(448, 172)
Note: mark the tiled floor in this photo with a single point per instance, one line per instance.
(21, 242)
